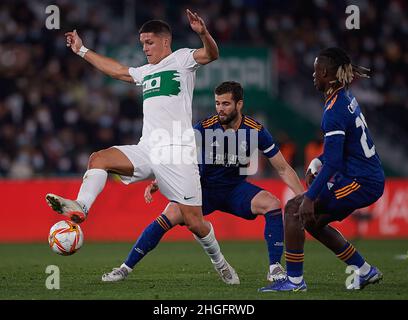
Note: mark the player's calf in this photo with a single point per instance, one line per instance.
(212, 248)
(193, 219)
(264, 202)
(292, 220)
(198, 228)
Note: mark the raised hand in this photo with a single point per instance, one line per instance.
(196, 22)
(150, 189)
(73, 41)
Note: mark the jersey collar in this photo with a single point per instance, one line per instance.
(332, 97)
(239, 127)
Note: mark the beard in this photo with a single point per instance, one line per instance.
(227, 119)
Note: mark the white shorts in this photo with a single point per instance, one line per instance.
(174, 167)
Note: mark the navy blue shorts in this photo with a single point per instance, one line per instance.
(236, 200)
(342, 195)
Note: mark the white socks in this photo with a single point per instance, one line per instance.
(296, 280)
(126, 267)
(93, 183)
(364, 269)
(212, 248)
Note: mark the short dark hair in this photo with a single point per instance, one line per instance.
(232, 87)
(155, 26)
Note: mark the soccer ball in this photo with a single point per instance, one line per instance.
(65, 238)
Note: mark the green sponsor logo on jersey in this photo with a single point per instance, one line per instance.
(165, 83)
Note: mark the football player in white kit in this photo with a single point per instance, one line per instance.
(168, 82)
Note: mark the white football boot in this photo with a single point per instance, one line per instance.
(276, 272)
(227, 273)
(117, 274)
(69, 208)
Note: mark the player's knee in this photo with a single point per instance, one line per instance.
(290, 217)
(269, 202)
(274, 202)
(193, 226)
(173, 213)
(96, 160)
(291, 209)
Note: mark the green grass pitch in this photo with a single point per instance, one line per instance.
(181, 270)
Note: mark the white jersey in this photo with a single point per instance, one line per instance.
(167, 98)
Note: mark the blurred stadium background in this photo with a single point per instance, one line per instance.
(55, 109)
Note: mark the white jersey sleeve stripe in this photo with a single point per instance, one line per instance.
(332, 133)
(269, 149)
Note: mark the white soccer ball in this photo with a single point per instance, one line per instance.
(65, 238)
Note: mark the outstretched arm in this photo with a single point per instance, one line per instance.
(209, 52)
(107, 65)
(287, 173)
